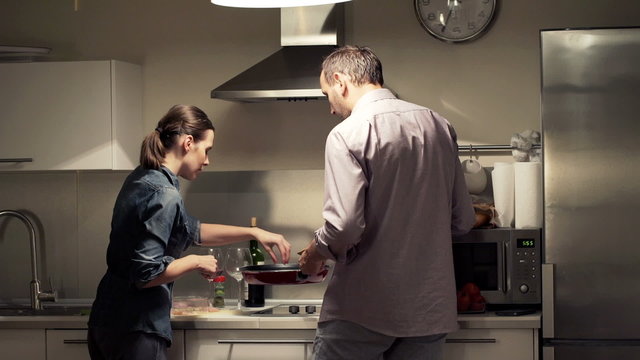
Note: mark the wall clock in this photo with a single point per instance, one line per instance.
(455, 20)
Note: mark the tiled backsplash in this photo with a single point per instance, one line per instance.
(72, 213)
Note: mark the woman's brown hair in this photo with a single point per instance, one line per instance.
(180, 119)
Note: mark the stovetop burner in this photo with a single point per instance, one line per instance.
(290, 310)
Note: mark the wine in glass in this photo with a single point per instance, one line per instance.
(237, 258)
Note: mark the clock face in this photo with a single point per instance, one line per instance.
(455, 20)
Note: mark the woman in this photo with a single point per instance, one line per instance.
(150, 228)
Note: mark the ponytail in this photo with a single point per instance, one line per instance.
(152, 152)
(180, 119)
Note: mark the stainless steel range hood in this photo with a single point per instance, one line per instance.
(308, 34)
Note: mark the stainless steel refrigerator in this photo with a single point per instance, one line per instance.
(591, 156)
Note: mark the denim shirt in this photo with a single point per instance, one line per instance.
(149, 229)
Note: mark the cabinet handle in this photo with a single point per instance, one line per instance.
(75, 342)
(470, 341)
(16, 160)
(265, 341)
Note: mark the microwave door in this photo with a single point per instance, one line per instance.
(482, 262)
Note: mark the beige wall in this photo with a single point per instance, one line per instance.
(488, 89)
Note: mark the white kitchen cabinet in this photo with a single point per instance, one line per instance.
(491, 344)
(22, 344)
(78, 115)
(72, 345)
(249, 344)
(67, 344)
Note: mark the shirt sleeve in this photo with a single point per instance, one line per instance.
(192, 228)
(462, 213)
(343, 212)
(149, 258)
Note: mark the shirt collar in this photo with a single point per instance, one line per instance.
(173, 178)
(372, 96)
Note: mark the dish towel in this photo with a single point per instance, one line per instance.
(522, 145)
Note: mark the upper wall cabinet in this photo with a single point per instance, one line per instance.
(80, 115)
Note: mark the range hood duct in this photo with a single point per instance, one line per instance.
(308, 34)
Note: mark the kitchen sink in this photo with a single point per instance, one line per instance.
(52, 311)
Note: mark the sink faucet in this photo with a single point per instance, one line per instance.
(37, 296)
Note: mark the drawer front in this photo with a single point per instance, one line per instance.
(481, 344)
(249, 344)
(72, 345)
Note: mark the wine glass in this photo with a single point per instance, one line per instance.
(219, 254)
(235, 259)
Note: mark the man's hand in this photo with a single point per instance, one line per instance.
(311, 261)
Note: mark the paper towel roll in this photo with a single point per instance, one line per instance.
(528, 194)
(503, 193)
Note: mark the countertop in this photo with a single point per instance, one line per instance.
(244, 321)
(246, 318)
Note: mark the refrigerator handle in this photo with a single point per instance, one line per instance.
(548, 297)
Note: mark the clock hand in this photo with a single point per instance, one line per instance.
(451, 8)
(444, 26)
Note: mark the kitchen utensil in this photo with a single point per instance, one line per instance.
(280, 274)
(474, 176)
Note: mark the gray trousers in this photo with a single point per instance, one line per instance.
(344, 340)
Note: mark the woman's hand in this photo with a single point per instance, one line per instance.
(207, 265)
(270, 240)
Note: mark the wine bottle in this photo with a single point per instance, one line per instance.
(255, 297)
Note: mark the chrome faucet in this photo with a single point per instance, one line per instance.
(37, 296)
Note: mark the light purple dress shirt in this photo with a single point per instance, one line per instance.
(394, 196)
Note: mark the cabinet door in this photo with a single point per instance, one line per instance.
(67, 115)
(248, 344)
(67, 344)
(57, 113)
(491, 344)
(22, 344)
(72, 345)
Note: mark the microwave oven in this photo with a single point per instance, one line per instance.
(503, 262)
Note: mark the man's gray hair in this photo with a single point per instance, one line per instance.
(360, 63)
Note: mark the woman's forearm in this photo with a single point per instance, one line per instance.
(216, 234)
(174, 270)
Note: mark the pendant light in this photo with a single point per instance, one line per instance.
(273, 3)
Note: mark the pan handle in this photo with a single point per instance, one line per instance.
(300, 276)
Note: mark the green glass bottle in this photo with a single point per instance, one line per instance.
(255, 296)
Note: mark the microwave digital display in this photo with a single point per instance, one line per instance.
(526, 243)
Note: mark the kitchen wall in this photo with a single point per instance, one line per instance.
(72, 213)
(268, 157)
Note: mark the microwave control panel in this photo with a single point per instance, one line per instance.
(525, 267)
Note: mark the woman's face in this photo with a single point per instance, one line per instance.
(197, 157)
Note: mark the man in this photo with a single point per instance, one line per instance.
(394, 196)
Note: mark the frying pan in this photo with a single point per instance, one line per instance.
(280, 274)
